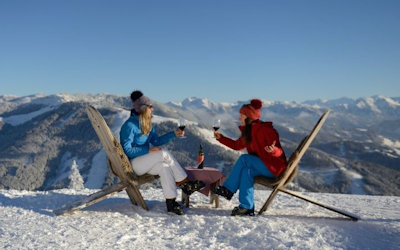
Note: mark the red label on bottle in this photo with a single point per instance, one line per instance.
(200, 158)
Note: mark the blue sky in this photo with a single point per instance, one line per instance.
(221, 50)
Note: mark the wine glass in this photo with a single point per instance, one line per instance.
(182, 125)
(216, 124)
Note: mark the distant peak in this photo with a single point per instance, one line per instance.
(196, 99)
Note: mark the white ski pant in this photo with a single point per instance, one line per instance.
(161, 163)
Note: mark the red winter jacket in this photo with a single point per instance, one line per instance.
(262, 134)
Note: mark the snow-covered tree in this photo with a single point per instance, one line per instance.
(75, 177)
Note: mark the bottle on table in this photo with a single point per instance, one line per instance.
(200, 158)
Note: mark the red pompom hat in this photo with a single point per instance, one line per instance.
(252, 110)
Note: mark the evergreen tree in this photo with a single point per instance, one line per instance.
(76, 180)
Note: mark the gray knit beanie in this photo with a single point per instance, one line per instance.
(140, 101)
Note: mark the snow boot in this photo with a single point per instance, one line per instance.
(239, 211)
(174, 207)
(190, 187)
(223, 191)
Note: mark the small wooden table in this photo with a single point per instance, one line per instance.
(211, 177)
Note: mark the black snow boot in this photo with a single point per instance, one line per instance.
(239, 211)
(190, 187)
(174, 207)
(223, 191)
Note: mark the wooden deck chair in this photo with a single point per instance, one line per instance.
(119, 164)
(279, 183)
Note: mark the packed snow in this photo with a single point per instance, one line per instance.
(27, 222)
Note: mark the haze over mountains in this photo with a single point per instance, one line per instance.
(357, 150)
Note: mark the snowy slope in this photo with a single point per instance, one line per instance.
(27, 222)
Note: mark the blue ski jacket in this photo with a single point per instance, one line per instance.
(135, 143)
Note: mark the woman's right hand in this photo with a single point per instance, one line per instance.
(271, 148)
(217, 135)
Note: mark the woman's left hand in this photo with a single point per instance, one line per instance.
(271, 148)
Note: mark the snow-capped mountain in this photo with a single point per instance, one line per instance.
(377, 105)
(357, 150)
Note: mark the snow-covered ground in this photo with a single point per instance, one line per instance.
(27, 222)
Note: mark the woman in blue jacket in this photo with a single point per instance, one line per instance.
(136, 135)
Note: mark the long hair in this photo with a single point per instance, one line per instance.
(246, 131)
(145, 121)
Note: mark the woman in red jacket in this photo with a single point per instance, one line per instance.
(265, 157)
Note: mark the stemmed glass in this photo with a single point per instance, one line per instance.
(182, 125)
(216, 124)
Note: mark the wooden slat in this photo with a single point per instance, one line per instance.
(107, 140)
(336, 210)
(136, 197)
(91, 199)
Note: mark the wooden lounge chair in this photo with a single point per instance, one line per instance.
(279, 183)
(120, 166)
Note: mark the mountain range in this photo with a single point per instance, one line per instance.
(356, 152)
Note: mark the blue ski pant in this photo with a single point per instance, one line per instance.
(242, 177)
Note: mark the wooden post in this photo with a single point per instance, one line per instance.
(91, 199)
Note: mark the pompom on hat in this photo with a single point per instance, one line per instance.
(252, 110)
(140, 101)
